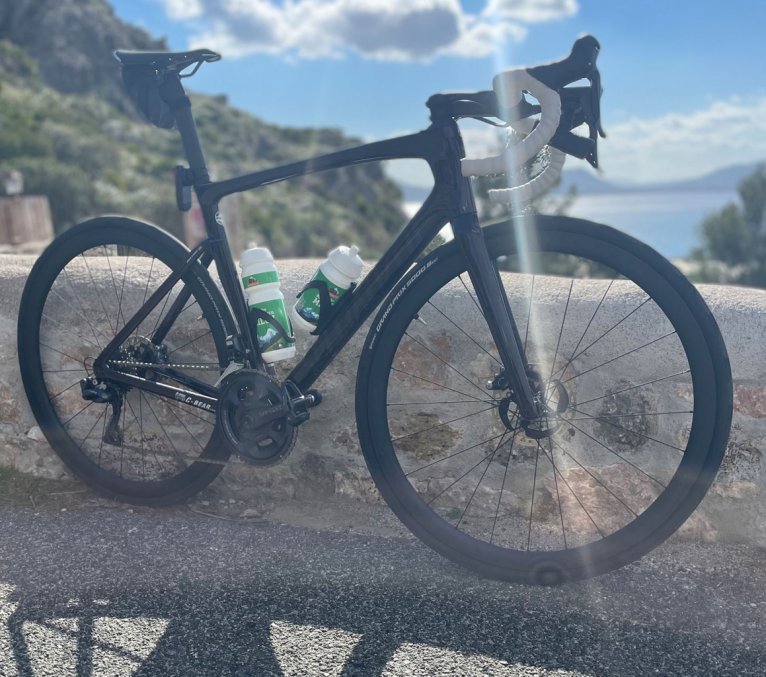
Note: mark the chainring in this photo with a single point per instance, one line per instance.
(248, 396)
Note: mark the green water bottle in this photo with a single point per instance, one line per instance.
(338, 272)
(260, 280)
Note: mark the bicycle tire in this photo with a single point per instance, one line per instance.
(412, 498)
(54, 307)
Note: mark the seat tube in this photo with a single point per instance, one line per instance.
(496, 309)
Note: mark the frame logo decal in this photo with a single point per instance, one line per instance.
(188, 399)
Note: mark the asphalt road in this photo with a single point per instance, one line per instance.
(107, 592)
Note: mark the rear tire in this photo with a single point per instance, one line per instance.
(80, 292)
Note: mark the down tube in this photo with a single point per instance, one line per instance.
(431, 217)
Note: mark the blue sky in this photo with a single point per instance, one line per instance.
(685, 90)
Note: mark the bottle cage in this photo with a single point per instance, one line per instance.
(327, 310)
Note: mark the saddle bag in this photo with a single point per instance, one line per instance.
(142, 84)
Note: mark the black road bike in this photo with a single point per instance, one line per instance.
(541, 400)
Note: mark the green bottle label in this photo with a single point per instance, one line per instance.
(258, 279)
(267, 335)
(308, 306)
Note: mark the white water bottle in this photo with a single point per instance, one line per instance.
(338, 272)
(260, 280)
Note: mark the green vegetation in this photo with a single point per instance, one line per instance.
(89, 157)
(733, 245)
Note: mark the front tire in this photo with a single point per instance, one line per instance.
(637, 384)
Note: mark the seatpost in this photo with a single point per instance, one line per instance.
(173, 94)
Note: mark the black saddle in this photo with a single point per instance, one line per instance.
(166, 60)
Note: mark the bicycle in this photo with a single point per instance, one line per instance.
(506, 390)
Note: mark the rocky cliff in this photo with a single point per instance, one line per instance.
(67, 125)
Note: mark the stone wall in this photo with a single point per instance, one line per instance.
(327, 461)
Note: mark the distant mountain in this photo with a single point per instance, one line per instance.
(587, 183)
(727, 178)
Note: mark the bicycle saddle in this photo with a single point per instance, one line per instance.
(165, 60)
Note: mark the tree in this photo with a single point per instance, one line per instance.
(733, 245)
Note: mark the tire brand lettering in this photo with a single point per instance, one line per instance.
(398, 295)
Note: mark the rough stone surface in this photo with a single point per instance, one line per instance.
(327, 460)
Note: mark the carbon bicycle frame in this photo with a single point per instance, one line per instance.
(451, 201)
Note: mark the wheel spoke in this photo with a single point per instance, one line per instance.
(620, 456)
(561, 331)
(619, 427)
(596, 478)
(608, 331)
(464, 332)
(619, 357)
(481, 479)
(441, 385)
(440, 425)
(572, 491)
(443, 361)
(592, 317)
(502, 486)
(462, 451)
(640, 385)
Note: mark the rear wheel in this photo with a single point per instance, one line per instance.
(137, 447)
(637, 387)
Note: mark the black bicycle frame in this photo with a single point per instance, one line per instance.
(451, 201)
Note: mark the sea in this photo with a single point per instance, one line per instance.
(669, 221)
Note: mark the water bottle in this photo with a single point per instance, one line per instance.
(338, 271)
(260, 280)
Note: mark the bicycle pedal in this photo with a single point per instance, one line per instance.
(299, 407)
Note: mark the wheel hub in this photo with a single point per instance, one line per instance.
(553, 400)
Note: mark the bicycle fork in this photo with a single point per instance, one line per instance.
(497, 311)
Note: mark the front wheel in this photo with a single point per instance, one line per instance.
(633, 373)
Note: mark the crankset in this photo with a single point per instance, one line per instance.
(258, 415)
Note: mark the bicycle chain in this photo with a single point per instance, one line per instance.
(155, 365)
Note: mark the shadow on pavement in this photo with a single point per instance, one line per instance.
(115, 593)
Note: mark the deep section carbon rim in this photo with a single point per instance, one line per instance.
(137, 444)
(622, 451)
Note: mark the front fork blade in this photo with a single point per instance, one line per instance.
(494, 302)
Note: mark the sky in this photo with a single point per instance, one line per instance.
(684, 80)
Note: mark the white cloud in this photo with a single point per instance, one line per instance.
(676, 146)
(183, 9)
(416, 30)
(532, 11)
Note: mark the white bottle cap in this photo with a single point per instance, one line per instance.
(255, 255)
(347, 261)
